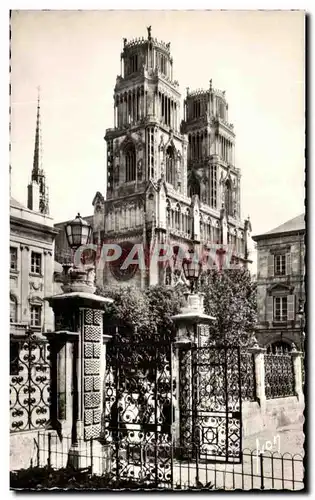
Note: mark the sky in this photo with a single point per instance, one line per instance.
(257, 57)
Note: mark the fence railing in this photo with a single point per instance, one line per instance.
(279, 376)
(159, 466)
(29, 383)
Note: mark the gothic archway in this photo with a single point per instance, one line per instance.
(170, 165)
(130, 162)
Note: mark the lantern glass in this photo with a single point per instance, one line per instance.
(192, 269)
(78, 232)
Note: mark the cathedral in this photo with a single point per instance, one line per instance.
(169, 181)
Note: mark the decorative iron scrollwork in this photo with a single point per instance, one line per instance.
(29, 384)
(279, 376)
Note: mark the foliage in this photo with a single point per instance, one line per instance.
(164, 302)
(147, 312)
(40, 478)
(129, 309)
(230, 297)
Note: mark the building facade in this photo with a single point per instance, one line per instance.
(169, 181)
(280, 284)
(32, 237)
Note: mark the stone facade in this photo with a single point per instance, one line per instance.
(169, 181)
(32, 237)
(31, 269)
(280, 283)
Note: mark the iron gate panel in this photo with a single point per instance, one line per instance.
(30, 373)
(210, 402)
(139, 392)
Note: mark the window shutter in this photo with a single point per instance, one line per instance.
(271, 265)
(291, 308)
(269, 308)
(288, 263)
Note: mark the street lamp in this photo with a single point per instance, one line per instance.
(192, 270)
(78, 232)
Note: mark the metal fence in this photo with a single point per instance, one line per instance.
(248, 376)
(257, 470)
(279, 376)
(29, 383)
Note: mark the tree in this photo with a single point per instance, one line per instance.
(147, 312)
(129, 310)
(230, 297)
(164, 302)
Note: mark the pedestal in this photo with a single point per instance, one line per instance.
(79, 320)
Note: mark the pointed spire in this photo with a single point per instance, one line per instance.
(38, 199)
(37, 152)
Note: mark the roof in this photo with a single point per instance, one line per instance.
(15, 203)
(296, 224)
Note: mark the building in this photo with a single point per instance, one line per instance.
(32, 237)
(280, 284)
(168, 181)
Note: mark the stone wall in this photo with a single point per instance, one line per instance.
(276, 414)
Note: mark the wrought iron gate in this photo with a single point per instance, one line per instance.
(30, 378)
(210, 403)
(139, 392)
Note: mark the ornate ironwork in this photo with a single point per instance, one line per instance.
(210, 402)
(248, 376)
(279, 376)
(139, 393)
(29, 383)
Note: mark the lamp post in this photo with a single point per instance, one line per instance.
(79, 347)
(186, 429)
(192, 271)
(78, 233)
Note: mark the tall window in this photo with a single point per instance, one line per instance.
(213, 186)
(170, 166)
(228, 198)
(133, 64)
(280, 308)
(13, 309)
(130, 156)
(36, 313)
(150, 152)
(280, 265)
(13, 259)
(36, 263)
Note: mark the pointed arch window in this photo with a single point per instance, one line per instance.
(170, 165)
(177, 217)
(130, 158)
(228, 198)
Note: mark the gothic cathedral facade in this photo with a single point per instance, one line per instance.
(169, 181)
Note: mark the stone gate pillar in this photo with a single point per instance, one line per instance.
(79, 322)
(187, 338)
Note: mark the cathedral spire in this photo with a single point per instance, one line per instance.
(37, 189)
(37, 152)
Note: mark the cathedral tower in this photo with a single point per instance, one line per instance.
(37, 190)
(168, 181)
